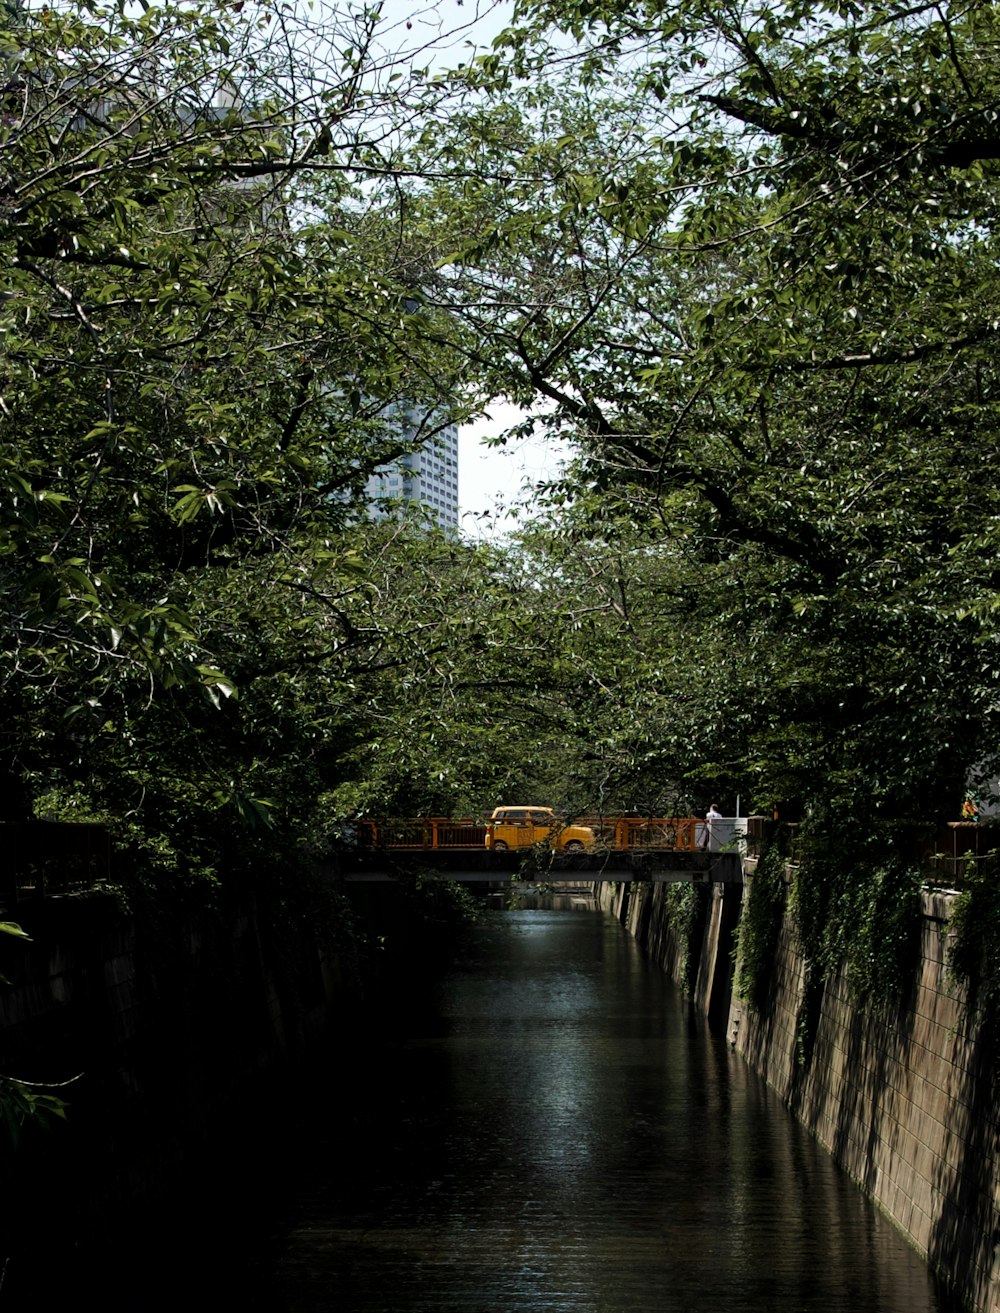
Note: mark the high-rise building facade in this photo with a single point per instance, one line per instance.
(427, 475)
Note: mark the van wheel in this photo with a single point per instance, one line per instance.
(574, 846)
(499, 846)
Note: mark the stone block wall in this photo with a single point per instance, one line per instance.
(173, 1042)
(906, 1103)
(641, 908)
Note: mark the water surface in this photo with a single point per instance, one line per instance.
(553, 1128)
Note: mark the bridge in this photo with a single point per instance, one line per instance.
(511, 867)
(665, 850)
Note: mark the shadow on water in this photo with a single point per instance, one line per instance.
(183, 1217)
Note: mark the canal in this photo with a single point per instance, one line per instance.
(549, 1127)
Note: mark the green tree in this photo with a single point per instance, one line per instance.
(206, 340)
(751, 274)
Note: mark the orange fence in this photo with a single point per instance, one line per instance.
(684, 834)
(422, 832)
(680, 833)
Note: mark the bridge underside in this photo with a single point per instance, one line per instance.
(480, 866)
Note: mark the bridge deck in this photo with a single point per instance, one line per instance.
(470, 866)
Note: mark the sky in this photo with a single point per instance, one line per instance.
(492, 479)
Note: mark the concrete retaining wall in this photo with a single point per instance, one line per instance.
(907, 1104)
(177, 1036)
(194, 1031)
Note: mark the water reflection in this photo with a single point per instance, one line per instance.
(558, 1132)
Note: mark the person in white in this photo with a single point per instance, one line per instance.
(712, 815)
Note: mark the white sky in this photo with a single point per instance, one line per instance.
(493, 479)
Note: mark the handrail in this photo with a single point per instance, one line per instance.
(616, 833)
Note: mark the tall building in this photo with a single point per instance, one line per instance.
(427, 475)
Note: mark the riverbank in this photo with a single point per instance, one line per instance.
(906, 1103)
(189, 1037)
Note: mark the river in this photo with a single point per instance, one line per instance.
(550, 1127)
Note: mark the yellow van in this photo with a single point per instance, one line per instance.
(520, 827)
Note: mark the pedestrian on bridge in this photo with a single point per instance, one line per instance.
(713, 814)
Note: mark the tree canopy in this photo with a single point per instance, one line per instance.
(743, 257)
(744, 254)
(208, 331)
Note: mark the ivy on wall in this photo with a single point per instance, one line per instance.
(684, 908)
(856, 909)
(974, 950)
(856, 895)
(760, 926)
